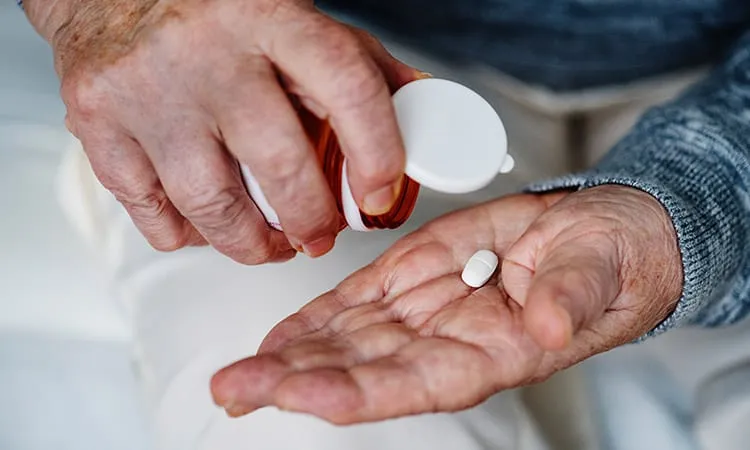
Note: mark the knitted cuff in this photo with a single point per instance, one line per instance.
(666, 159)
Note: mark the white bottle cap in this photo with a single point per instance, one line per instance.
(455, 143)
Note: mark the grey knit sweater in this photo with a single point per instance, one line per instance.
(693, 155)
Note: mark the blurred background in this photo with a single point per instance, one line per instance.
(66, 377)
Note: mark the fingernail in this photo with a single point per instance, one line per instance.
(423, 75)
(381, 201)
(284, 257)
(196, 240)
(314, 107)
(237, 410)
(319, 247)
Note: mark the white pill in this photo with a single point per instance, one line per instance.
(480, 268)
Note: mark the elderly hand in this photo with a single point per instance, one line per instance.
(166, 94)
(582, 273)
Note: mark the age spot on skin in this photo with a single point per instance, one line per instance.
(98, 34)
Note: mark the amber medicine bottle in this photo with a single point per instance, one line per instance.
(455, 143)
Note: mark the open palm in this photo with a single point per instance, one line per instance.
(405, 335)
(405, 327)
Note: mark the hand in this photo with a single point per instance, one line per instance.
(582, 273)
(166, 94)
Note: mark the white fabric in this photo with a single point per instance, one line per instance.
(64, 393)
(66, 381)
(51, 297)
(195, 311)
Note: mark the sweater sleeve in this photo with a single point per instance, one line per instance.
(693, 155)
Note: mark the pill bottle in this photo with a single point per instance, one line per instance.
(454, 140)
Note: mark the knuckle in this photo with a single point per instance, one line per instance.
(250, 249)
(357, 78)
(308, 210)
(260, 253)
(281, 167)
(363, 35)
(378, 170)
(165, 241)
(218, 213)
(273, 9)
(150, 211)
(342, 42)
(148, 204)
(84, 96)
(359, 83)
(314, 224)
(214, 209)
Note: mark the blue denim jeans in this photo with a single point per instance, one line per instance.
(563, 45)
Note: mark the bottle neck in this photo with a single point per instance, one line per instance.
(331, 159)
(401, 210)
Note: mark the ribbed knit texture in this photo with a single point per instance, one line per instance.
(693, 155)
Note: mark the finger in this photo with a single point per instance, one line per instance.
(204, 183)
(370, 338)
(334, 67)
(364, 286)
(414, 380)
(236, 387)
(415, 275)
(517, 272)
(340, 323)
(518, 263)
(567, 287)
(249, 384)
(334, 313)
(417, 306)
(396, 73)
(262, 130)
(430, 272)
(125, 170)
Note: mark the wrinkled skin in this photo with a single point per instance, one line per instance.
(166, 94)
(581, 273)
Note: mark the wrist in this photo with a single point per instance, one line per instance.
(47, 16)
(550, 198)
(78, 30)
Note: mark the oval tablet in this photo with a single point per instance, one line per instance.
(479, 269)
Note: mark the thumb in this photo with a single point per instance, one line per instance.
(564, 288)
